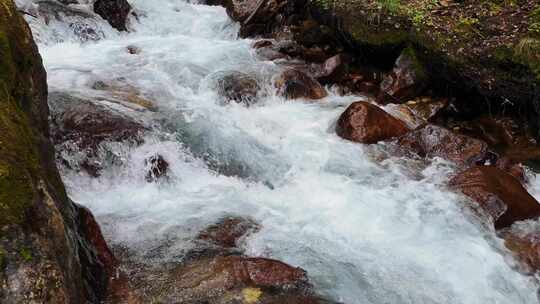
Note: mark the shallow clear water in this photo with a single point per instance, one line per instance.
(368, 227)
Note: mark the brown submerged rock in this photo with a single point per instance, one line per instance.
(228, 231)
(295, 84)
(499, 194)
(435, 141)
(235, 277)
(365, 123)
(115, 12)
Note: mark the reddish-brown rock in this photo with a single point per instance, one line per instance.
(366, 123)
(228, 231)
(295, 84)
(525, 247)
(232, 271)
(499, 194)
(232, 279)
(512, 168)
(435, 141)
(91, 231)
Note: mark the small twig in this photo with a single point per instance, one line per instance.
(27, 13)
(259, 5)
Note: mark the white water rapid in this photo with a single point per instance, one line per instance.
(366, 226)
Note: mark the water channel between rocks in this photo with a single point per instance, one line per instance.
(366, 226)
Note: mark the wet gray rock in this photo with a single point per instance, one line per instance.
(116, 12)
(237, 86)
(158, 168)
(80, 127)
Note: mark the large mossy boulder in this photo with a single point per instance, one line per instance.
(45, 255)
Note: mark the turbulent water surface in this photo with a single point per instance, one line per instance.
(368, 227)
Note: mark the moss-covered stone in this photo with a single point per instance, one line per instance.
(19, 160)
(26, 254)
(38, 223)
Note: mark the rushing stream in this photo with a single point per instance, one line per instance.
(366, 226)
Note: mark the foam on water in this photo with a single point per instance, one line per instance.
(367, 227)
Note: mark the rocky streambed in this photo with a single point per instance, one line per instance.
(248, 153)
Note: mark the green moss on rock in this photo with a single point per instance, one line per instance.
(19, 160)
(3, 260)
(26, 254)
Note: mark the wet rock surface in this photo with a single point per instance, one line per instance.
(116, 12)
(228, 231)
(294, 84)
(365, 123)
(158, 168)
(499, 194)
(237, 86)
(81, 127)
(524, 242)
(220, 273)
(435, 141)
(81, 22)
(216, 271)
